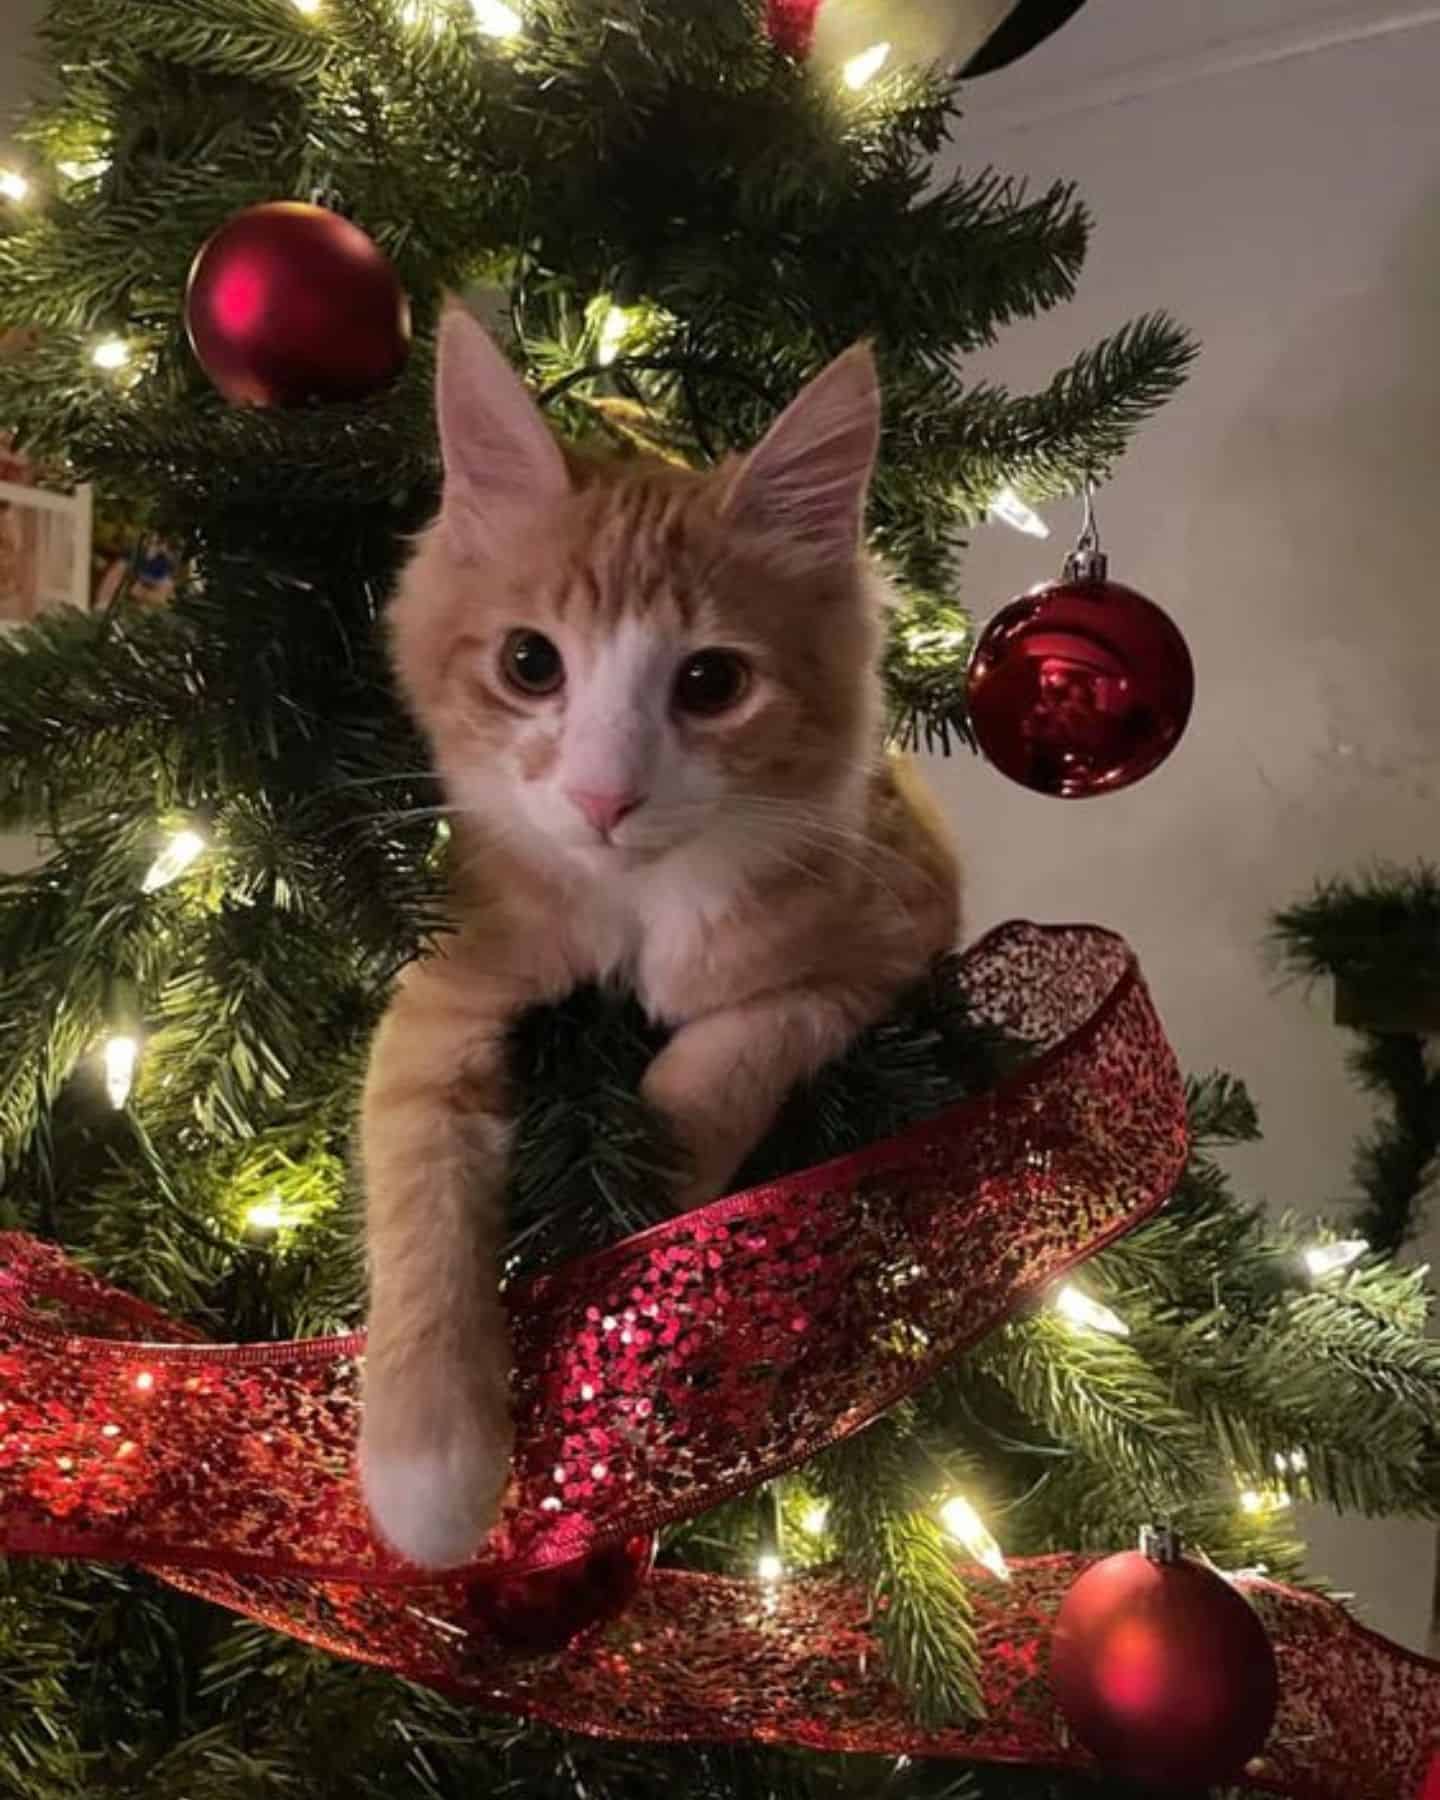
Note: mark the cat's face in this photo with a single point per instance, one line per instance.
(613, 662)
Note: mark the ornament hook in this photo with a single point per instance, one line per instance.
(1087, 562)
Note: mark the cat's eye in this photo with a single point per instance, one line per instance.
(531, 664)
(711, 681)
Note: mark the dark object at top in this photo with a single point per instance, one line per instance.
(1027, 24)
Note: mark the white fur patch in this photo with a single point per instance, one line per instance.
(436, 1508)
(617, 713)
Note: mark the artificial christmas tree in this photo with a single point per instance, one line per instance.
(857, 1396)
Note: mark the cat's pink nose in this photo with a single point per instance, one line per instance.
(603, 810)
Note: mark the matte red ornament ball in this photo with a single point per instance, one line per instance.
(1164, 1671)
(546, 1610)
(288, 302)
(1431, 1789)
(1080, 687)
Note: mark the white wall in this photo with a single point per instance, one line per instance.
(1270, 172)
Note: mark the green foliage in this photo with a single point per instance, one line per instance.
(1378, 938)
(751, 213)
(752, 217)
(1383, 927)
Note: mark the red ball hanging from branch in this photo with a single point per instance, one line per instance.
(544, 1611)
(1163, 1670)
(790, 25)
(1081, 686)
(288, 303)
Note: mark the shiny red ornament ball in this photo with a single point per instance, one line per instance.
(1431, 1789)
(1164, 1671)
(546, 1610)
(1080, 687)
(288, 303)
(790, 25)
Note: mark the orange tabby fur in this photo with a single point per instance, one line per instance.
(773, 886)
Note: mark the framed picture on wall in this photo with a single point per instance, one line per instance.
(46, 541)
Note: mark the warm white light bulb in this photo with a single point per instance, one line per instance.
(173, 860)
(83, 171)
(112, 353)
(866, 66)
(306, 6)
(613, 333)
(770, 1568)
(121, 1054)
(1085, 1314)
(1331, 1259)
(1257, 1501)
(815, 1518)
(966, 1526)
(1009, 509)
(13, 185)
(266, 1215)
(496, 19)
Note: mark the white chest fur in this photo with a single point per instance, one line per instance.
(661, 929)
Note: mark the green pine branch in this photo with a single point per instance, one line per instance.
(1378, 939)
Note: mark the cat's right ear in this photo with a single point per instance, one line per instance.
(501, 460)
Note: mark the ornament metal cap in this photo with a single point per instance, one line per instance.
(1086, 566)
(1161, 1544)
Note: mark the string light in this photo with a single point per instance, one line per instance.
(965, 1525)
(173, 860)
(306, 6)
(613, 332)
(121, 1054)
(13, 185)
(770, 1568)
(1332, 1259)
(866, 66)
(266, 1215)
(83, 171)
(935, 640)
(110, 353)
(1296, 1463)
(815, 1518)
(1009, 509)
(496, 19)
(145, 1381)
(1078, 1309)
(1257, 1501)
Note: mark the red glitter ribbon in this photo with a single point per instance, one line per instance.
(702, 1659)
(655, 1379)
(684, 1365)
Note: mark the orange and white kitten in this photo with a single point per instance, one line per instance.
(653, 700)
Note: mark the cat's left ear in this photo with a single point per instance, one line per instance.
(807, 479)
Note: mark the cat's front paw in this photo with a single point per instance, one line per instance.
(434, 1462)
(708, 1150)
